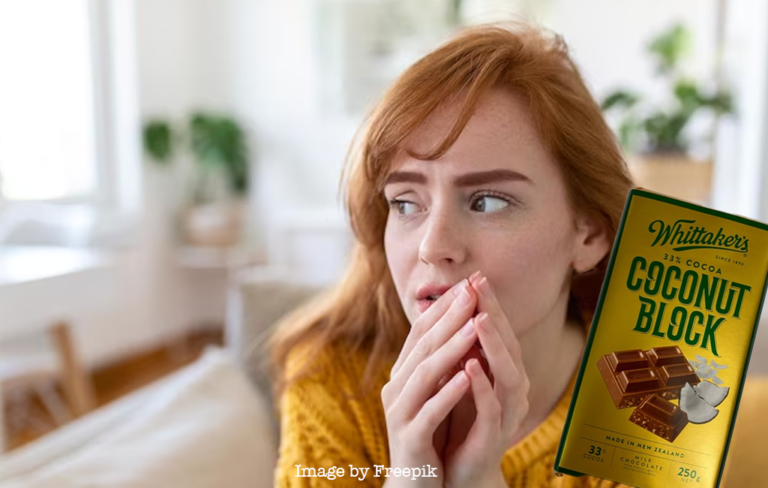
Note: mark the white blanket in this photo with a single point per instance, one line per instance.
(203, 427)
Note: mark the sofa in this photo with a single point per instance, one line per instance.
(204, 426)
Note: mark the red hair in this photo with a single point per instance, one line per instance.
(364, 310)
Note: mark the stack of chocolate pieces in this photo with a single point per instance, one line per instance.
(648, 380)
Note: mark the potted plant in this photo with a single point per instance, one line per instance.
(655, 135)
(220, 181)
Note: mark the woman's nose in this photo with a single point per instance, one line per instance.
(444, 240)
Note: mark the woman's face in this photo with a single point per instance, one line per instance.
(495, 202)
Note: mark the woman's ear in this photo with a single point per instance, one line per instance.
(592, 242)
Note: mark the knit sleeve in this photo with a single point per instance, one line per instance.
(583, 482)
(320, 431)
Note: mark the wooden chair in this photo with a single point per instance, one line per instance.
(25, 372)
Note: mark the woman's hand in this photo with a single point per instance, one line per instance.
(474, 451)
(416, 401)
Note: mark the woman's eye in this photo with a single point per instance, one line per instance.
(487, 203)
(403, 207)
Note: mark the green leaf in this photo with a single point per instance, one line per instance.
(721, 102)
(688, 94)
(620, 99)
(665, 131)
(628, 132)
(670, 47)
(158, 141)
(219, 143)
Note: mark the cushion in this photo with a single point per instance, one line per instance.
(257, 304)
(204, 427)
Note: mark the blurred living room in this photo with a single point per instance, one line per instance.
(149, 242)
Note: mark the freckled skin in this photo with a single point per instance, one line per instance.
(525, 248)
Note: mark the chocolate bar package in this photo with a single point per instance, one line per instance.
(658, 389)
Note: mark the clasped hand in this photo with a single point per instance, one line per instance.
(446, 405)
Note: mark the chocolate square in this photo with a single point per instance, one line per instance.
(632, 375)
(660, 417)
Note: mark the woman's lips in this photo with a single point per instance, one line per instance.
(424, 304)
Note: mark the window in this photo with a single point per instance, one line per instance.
(48, 148)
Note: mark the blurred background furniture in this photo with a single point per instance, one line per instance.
(38, 351)
(203, 426)
(309, 246)
(43, 364)
(257, 299)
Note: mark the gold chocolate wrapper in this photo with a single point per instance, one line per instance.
(676, 321)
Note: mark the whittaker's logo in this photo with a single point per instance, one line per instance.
(685, 235)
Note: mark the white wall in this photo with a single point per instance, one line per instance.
(276, 91)
(249, 58)
(178, 66)
(161, 66)
(608, 39)
(741, 171)
(277, 78)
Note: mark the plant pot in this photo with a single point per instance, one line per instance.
(215, 224)
(678, 176)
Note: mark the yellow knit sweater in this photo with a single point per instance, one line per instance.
(324, 423)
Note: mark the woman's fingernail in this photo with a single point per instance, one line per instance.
(459, 379)
(462, 285)
(464, 297)
(468, 329)
(484, 286)
(481, 319)
(472, 365)
(475, 276)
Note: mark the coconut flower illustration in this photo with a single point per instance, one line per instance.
(707, 370)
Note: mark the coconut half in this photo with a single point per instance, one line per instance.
(711, 393)
(698, 410)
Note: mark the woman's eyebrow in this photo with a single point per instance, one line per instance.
(491, 176)
(468, 179)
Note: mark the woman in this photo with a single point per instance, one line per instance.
(484, 194)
